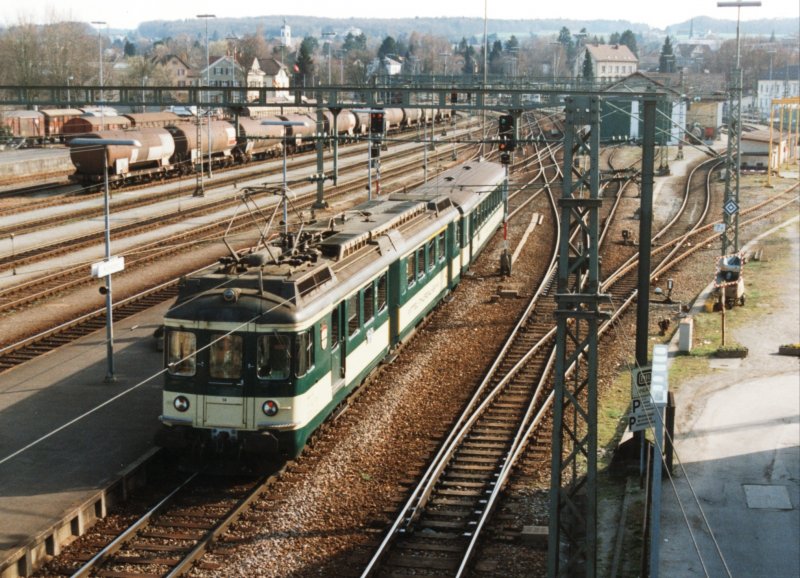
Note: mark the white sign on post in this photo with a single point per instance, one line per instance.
(105, 268)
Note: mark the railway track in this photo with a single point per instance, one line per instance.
(437, 530)
(173, 534)
(22, 296)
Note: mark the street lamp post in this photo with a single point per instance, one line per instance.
(329, 35)
(100, 23)
(206, 17)
(285, 124)
(232, 40)
(106, 268)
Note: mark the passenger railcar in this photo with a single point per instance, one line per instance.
(261, 351)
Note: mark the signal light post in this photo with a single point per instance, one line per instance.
(284, 123)
(108, 266)
(508, 143)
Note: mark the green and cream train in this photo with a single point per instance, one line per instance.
(261, 351)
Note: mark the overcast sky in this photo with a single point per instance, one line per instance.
(129, 13)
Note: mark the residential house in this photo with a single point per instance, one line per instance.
(223, 71)
(610, 62)
(180, 72)
(270, 73)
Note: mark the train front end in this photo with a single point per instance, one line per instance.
(238, 369)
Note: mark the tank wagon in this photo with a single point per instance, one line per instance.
(229, 143)
(259, 352)
(157, 147)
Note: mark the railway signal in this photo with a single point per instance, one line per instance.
(508, 140)
(376, 123)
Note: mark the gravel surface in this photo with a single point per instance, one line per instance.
(329, 510)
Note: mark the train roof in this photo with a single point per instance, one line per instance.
(334, 256)
(22, 114)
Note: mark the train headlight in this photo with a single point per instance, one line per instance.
(230, 295)
(270, 407)
(181, 403)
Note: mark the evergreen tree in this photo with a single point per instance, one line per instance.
(666, 62)
(628, 38)
(496, 58)
(130, 48)
(588, 70)
(304, 67)
(388, 46)
(470, 66)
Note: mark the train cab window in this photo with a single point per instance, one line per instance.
(369, 303)
(420, 262)
(411, 269)
(440, 250)
(225, 355)
(304, 352)
(273, 356)
(181, 350)
(382, 293)
(431, 255)
(353, 315)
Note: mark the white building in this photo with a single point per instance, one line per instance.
(780, 83)
(268, 72)
(755, 151)
(286, 35)
(610, 62)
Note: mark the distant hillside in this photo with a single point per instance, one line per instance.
(782, 27)
(452, 28)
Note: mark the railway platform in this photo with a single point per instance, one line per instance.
(738, 440)
(43, 162)
(66, 434)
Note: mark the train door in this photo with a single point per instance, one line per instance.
(470, 233)
(338, 348)
(223, 404)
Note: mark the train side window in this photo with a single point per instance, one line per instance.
(420, 262)
(382, 293)
(369, 303)
(181, 353)
(431, 255)
(411, 274)
(273, 356)
(226, 356)
(335, 327)
(440, 246)
(353, 315)
(304, 352)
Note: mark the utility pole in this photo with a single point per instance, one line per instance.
(733, 163)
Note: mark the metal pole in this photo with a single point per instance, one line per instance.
(206, 17)
(369, 167)
(645, 230)
(285, 192)
(485, 60)
(99, 23)
(109, 321)
(14, 270)
(69, 99)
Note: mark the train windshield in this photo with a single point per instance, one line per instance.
(181, 353)
(225, 356)
(274, 356)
